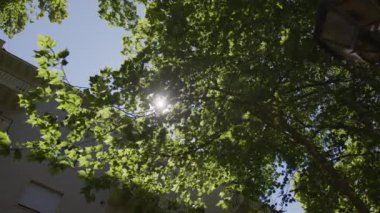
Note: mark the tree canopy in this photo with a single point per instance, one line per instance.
(250, 98)
(16, 14)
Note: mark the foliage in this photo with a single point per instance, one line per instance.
(134, 147)
(121, 13)
(5, 143)
(249, 91)
(16, 14)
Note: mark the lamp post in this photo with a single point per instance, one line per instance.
(350, 29)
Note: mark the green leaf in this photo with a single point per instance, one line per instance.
(63, 54)
(221, 194)
(105, 113)
(222, 204)
(5, 141)
(82, 173)
(284, 36)
(45, 42)
(55, 81)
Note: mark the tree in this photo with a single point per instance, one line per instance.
(15, 14)
(248, 92)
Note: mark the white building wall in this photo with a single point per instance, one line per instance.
(17, 175)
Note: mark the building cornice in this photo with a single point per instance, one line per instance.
(16, 73)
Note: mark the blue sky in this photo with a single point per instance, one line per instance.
(92, 45)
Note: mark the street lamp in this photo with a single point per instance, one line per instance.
(350, 29)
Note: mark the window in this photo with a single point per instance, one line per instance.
(5, 123)
(13, 82)
(39, 198)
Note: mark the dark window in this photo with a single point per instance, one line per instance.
(5, 123)
(39, 198)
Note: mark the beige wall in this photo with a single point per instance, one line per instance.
(16, 174)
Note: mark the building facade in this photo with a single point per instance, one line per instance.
(27, 186)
